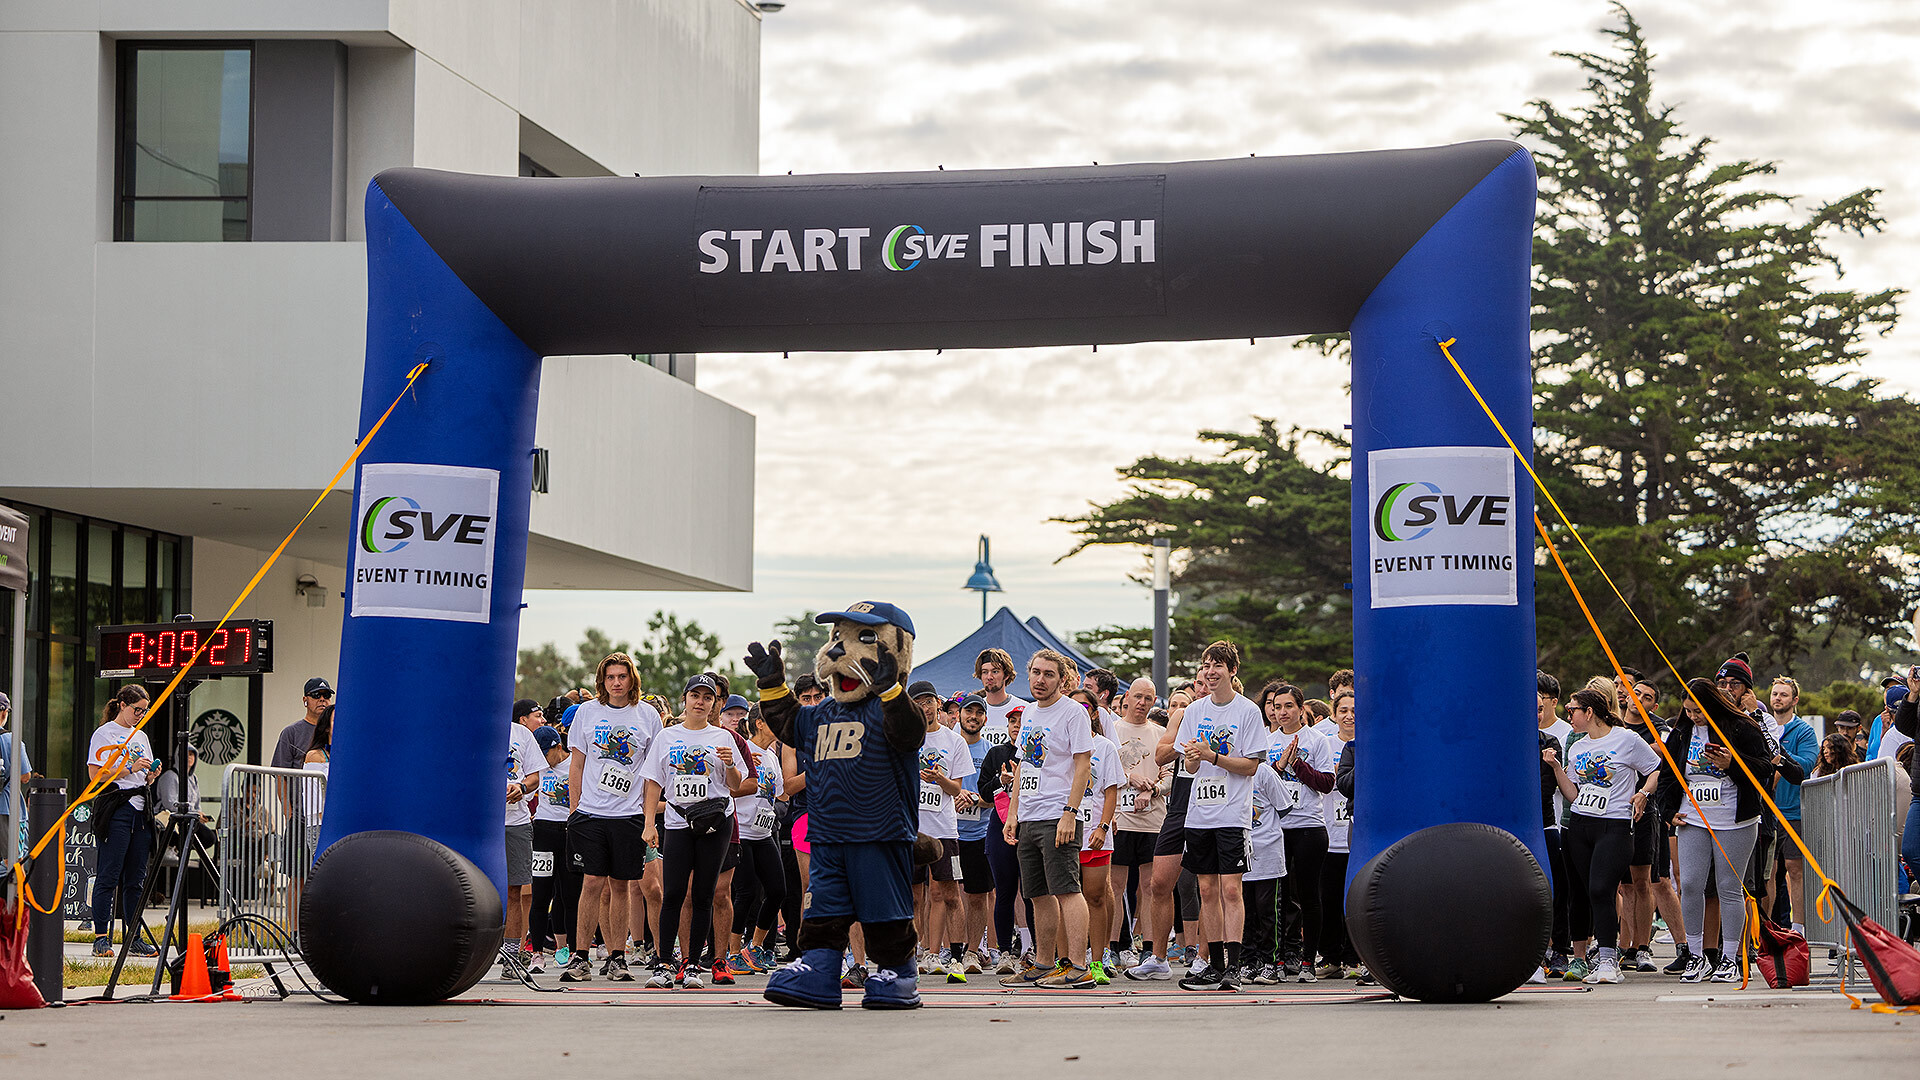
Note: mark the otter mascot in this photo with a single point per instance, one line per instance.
(860, 749)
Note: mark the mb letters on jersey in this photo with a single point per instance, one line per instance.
(837, 740)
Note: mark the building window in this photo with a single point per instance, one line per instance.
(186, 141)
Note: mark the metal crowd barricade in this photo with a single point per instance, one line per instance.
(1851, 823)
(269, 825)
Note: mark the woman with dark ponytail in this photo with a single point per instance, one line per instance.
(121, 821)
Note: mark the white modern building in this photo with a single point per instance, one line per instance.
(183, 305)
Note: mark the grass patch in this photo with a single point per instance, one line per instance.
(135, 973)
(84, 934)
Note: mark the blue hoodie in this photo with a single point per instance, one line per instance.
(1800, 745)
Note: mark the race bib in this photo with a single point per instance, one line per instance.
(763, 819)
(1592, 798)
(932, 798)
(543, 864)
(689, 787)
(996, 738)
(1343, 812)
(1142, 801)
(616, 780)
(1296, 791)
(1085, 813)
(1029, 783)
(1210, 791)
(1707, 792)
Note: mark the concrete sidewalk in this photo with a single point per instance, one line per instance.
(1651, 1026)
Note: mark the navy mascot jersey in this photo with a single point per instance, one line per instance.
(859, 788)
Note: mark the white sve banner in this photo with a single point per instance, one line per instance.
(1442, 526)
(424, 542)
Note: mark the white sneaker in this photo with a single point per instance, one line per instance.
(970, 963)
(1539, 975)
(1605, 971)
(1129, 958)
(537, 963)
(1150, 967)
(929, 964)
(956, 971)
(1196, 965)
(1727, 972)
(1664, 937)
(1006, 964)
(1697, 969)
(693, 980)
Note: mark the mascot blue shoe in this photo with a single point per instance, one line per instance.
(888, 989)
(811, 982)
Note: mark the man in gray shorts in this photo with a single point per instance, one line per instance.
(1053, 764)
(524, 762)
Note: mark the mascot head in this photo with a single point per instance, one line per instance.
(844, 663)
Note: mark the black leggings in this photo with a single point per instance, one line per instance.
(1262, 929)
(556, 894)
(1333, 911)
(1300, 892)
(684, 856)
(796, 889)
(1562, 901)
(759, 874)
(1598, 851)
(1005, 865)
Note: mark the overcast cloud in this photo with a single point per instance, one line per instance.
(1007, 440)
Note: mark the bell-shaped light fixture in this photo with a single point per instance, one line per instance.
(983, 581)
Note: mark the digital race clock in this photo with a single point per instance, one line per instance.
(241, 647)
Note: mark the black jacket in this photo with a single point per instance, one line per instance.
(1749, 744)
(1906, 721)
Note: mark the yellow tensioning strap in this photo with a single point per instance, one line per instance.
(116, 762)
(1827, 884)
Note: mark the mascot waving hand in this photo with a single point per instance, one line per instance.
(861, 749)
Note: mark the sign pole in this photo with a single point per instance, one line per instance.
(1162, 582)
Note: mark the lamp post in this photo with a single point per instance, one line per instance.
(983, 581)
(1162, 582)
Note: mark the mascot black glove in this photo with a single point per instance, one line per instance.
(883, 670)
(767, 665)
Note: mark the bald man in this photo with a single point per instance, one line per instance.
(1141, 809)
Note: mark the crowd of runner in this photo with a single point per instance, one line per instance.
(1094, 833)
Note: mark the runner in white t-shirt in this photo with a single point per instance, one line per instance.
(524, 763)
(1602, 779)
(994, 668)
(945, 762)
(556, 885)
(690, 773)
(1097, 809)
(1305, 760)
(1052, 770)
(1222, 740)
(761, 872)
(1266, 865)
(1337, 809)
(125, 833)
(607, 742)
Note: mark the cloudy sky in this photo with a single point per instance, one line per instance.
(1007, 440)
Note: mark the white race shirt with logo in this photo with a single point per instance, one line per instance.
(995, 729)
(615, 744)
(1221, 799)
(1712, 788)
(1559, 730)
(1266, 840)
(101, 751)
(523, 760)
(687, 766)
(1327, 727)
(1338, 810)
(754, 813)
(556, 800)
(1318, 751)
(1049, 739)
(1607, 771)
(1105, 773)
(947, 750)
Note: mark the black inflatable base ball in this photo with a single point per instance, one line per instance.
(394, 918)
(1453, 913)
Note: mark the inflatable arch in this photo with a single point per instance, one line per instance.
(485, 275)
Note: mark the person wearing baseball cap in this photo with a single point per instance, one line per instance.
(297, 738)
(945, 763)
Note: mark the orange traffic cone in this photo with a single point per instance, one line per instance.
(194, 984)
(227, 992)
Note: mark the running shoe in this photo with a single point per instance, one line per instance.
(1150, 968)
(1698, 970)
(1098, 969)
(854, 978)
(1727, 972)
(600, 951)
(103, 945)
(1328, 971)
(929, 963)
(1577, 971)
(741, 963)
(722, 975)
(1364, 977)
(1029, 975)
(1128, 958)
(616, 969)
(579, 969)
(562, 956)
(1230, 980)
(1307, 975)
(970, 963)
(1605, 970)
(1539, 976)
(690, 977)
(1008, 964)
(956, 970)
(1682, 962)
(1267, 975)
(1066, 976)
(763, 959)
(1289, 969)
(142, 947)
(662, 978)
(1204, 979)
(1556, 964)
(537, 963)
(1643, 961)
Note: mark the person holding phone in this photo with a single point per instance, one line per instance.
(1714, 792)
(692, 771)
(121, 821)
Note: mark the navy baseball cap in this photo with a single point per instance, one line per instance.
(735, 701)
(702, 680)
(317, 687)
(547, 737)
(973, 700)
(869, 613)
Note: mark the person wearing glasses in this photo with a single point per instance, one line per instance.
(1602, 784)
(121, 821)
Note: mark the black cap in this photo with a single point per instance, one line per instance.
(1891, 680)
(972, 700)
(522, 707)
(922, 688)
(317, 687)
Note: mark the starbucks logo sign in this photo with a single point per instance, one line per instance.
(218, 736)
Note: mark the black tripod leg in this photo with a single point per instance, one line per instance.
(126, 934)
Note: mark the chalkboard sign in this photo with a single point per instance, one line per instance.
(83, 860)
